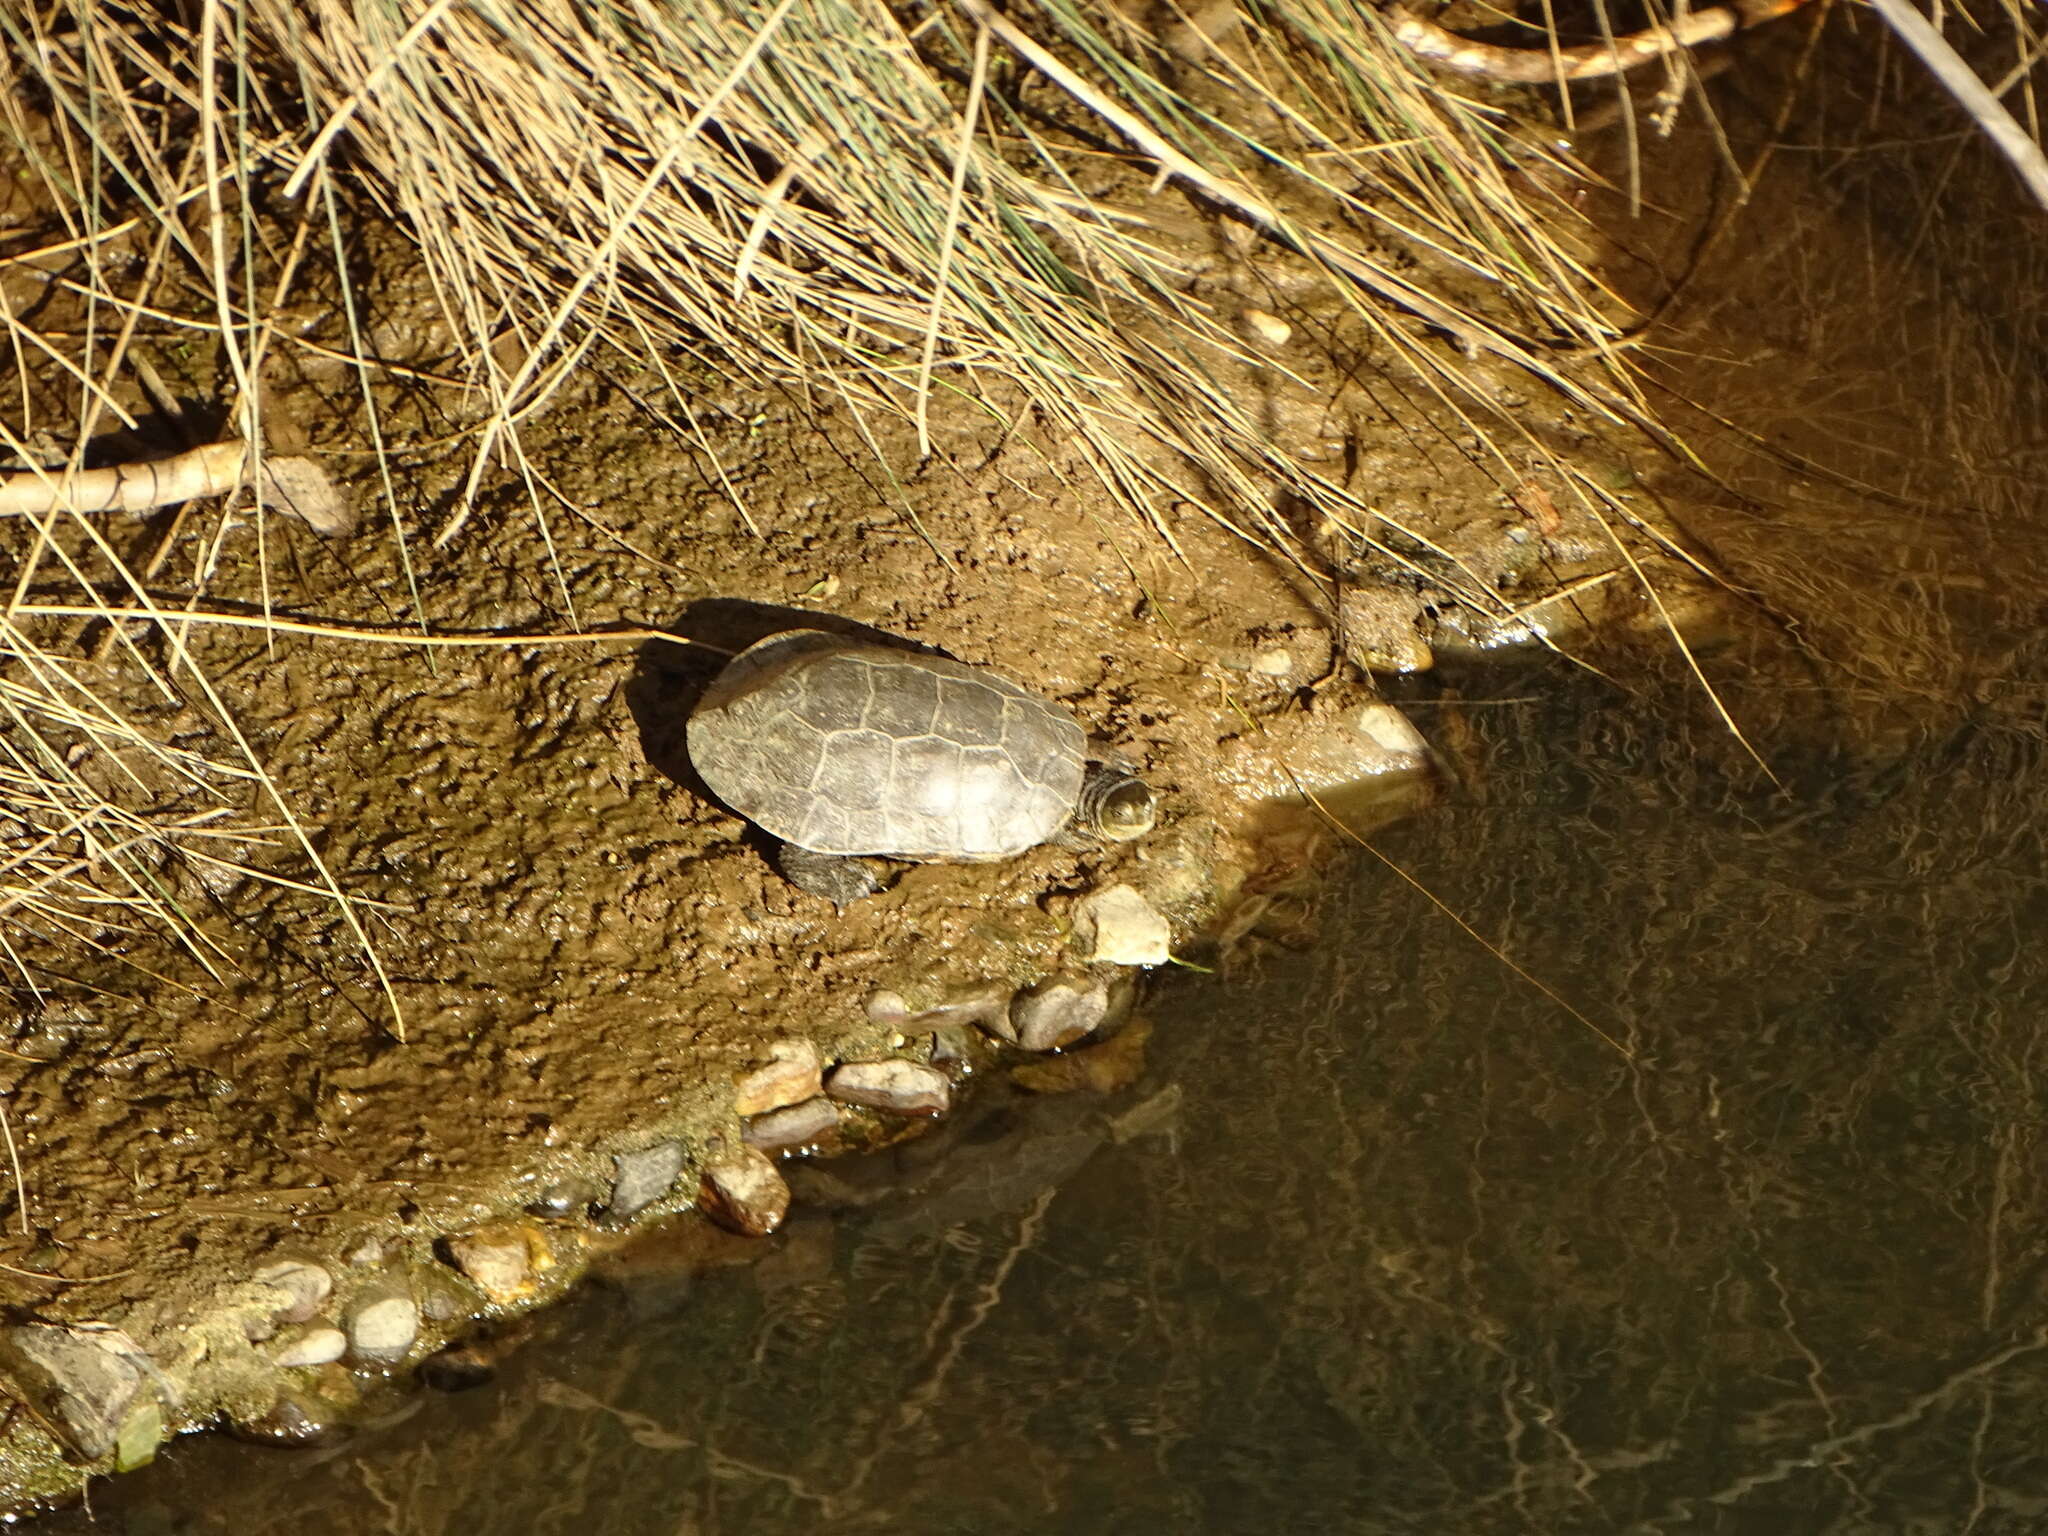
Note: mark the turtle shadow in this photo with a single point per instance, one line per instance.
(668, 678)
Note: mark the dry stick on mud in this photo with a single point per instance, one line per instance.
(295, 485)
(1591, 61)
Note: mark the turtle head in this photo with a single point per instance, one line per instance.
(1115, 804)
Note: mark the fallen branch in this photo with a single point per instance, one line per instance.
(298, 486)
(1590, 61)
(1971, 93)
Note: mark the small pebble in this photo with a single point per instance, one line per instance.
(1057, 1012)
(1274, 661)
(570, 1196)
(901, 1087)
(307, 1285)
(795, 1125)
(744, 1191)
(1117, 926)
(310, 1344)
(1270, 329)
(791, 1075)
(499, 1258)
(383, 1329)
(643, 1178)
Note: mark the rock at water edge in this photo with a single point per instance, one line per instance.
(900, 1087)
(643, 1178)
(744, 1192)
(1057, 1012)
(793, 1126)
(383, 1328)
(1117, 926)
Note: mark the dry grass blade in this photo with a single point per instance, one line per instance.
(1975, 98)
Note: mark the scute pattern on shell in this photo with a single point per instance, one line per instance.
(850, 748)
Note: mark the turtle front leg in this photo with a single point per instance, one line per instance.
(839, 879)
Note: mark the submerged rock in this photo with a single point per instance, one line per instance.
(743, 1191)
(1057, 1012)
(86, 1384)
(900, 1087)
(1118, 926)
(795, 1125)
(295, 1419)
(459, 1368)
(643, 1178)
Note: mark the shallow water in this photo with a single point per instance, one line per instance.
(1386, 1240)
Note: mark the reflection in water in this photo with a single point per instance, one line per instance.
(1386, 1241)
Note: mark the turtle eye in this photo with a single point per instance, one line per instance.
(1127, 811)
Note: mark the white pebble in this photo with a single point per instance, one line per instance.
(1117, 926)
(1270, 329)
(310, 1346)
(383, 1330)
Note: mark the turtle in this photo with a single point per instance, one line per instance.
(846, 749)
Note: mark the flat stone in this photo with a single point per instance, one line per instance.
(310, 1344)
(1057, 1012)
(744, 1191)
(793, 1126)
(307, 1285)
(85, 1384)
(643, 1178)
(1117, 926)
(383, 1328)
(1274, 661)
(1390, 730)
(791, 1074)
(500, 1258)
(901, 1087)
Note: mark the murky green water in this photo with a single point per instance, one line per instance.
(1387, 1240)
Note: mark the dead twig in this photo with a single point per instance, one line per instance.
(1971, 93)
(1592, 61)
(298, 486)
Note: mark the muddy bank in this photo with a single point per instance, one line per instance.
(280, 1172)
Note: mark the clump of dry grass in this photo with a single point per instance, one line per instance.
(885, 205)
(825, 194)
